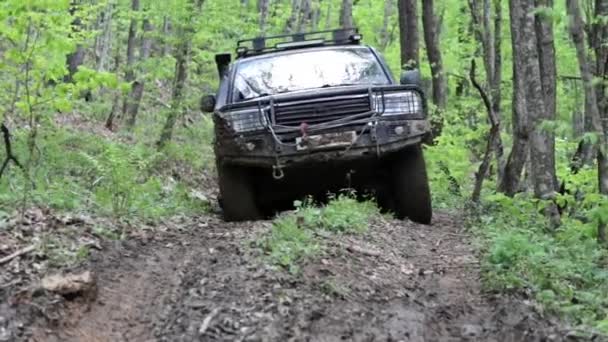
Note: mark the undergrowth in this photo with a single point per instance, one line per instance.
(295, 237)
(80, 172)
(565, 270)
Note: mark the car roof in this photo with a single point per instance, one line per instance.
(300, 50)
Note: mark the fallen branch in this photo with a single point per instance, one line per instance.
(17, 254)
(9, 151)
(361, 250)
(207, 321)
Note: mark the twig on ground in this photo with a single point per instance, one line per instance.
(357, 249)
(207, 321)
(17, 254)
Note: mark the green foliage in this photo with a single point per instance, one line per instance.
(293, 237)
(288, 243)
(566, 270)
(78, 172)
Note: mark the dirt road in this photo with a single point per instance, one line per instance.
(398, 282)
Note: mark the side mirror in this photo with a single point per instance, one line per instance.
(208, 103)
(410, 77)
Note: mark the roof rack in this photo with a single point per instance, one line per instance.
(262, 45)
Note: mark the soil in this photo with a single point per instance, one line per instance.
(400, 281)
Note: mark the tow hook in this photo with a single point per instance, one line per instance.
(277, 170)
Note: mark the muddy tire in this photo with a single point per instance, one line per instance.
(237, 195)
(411, 193)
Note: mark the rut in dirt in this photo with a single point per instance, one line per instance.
(398, 282)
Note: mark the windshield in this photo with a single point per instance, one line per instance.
(307, 70)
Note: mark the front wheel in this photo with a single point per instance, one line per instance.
(237, 194)
(411, 192)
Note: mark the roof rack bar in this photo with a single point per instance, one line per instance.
(261, 45)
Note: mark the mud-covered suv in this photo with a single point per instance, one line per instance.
(316, 113)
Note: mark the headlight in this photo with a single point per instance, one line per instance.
(246, 120)
(402, 103)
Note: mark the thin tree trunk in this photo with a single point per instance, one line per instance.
(76, 58)
(548, 73)
(116, 102)
(601, 147)
(492, 137)
(510, 183)
(166, 48)
(408, 27)
(541, 147)
(181, 75)
(292, 22)
(431, 38)
(600, 48)
(346, 14)
(137, 89)
(385, 34)
(263, 7)
(103, 44)
(131, 41)
(305, 20)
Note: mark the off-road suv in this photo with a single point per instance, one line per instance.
(316, 113)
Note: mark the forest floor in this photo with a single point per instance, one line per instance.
(207, 280)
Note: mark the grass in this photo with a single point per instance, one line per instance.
(294, 237)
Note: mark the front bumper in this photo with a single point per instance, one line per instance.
(265, 149)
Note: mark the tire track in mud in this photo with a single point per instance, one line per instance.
(398, 282)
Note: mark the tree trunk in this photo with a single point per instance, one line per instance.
(182, 56)
(116, 102)
(600, 48)
(548, 73)
(103, 43)
(181, 74)
(131, 41)
(431, 39)
(591, 101)
(346, 14)
(166, 48)
(292, 22)
(408, 28)
(305, 20)
(137, 89)
(263, 7)
(76, 58)
(541, 145)
(510, 184)
(385, 34)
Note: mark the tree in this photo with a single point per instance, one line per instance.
(408, 28)
(543, 23)
(346, 14)
(182, 56)
(431, 38)
(131, 46)
(263, 7)
(386, 34)
(542, 153)
(510, 183)
(591, 102)
(489, 35)
(137, 89)
(76, 58)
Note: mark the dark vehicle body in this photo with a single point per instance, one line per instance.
(310, 117)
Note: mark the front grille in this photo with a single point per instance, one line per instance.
(317, 111)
